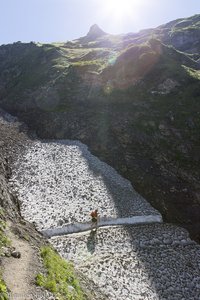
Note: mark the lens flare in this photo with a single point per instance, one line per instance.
(120, 8)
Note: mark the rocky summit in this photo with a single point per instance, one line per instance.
(94, 32)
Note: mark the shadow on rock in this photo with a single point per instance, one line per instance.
(91, 241)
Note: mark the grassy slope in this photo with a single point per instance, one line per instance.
(60, 278)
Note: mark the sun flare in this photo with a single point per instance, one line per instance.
(120, 8)
(117, 15)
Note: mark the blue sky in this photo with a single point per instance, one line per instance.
(62, 20)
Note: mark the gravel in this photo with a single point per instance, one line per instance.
(133, 262)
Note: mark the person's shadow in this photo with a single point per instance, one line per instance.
(91, 241)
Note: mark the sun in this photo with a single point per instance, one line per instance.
(120, 8)
(118, 15)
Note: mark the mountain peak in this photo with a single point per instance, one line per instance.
(95, 32)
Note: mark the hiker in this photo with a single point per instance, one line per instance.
(94, 216)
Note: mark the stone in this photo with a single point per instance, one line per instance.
(7, 254)
(167, 241)
(71, 288)
(16, 254)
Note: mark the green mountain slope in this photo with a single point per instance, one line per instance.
(134, 99)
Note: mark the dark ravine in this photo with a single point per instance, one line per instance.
(133, 99)
(152, 250)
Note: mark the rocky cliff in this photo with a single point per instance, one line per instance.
(132, 98)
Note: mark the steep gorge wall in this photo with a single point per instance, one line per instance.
(156, 155)
(7, 201)
(8, 146)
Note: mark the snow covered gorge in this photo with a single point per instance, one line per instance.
(60, 182)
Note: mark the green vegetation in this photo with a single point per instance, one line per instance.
(3, 290)
(193, 73)
(4, 241)
(86, 63)
(60, 278)
(90, 65)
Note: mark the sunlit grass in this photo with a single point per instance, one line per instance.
(60, 278)
(193, 73)
(3, 290)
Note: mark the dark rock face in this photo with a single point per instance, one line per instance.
(183, 34)
(6, 199)
(95, 32)
(135, 104)
(187, 40)
(11, 143)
